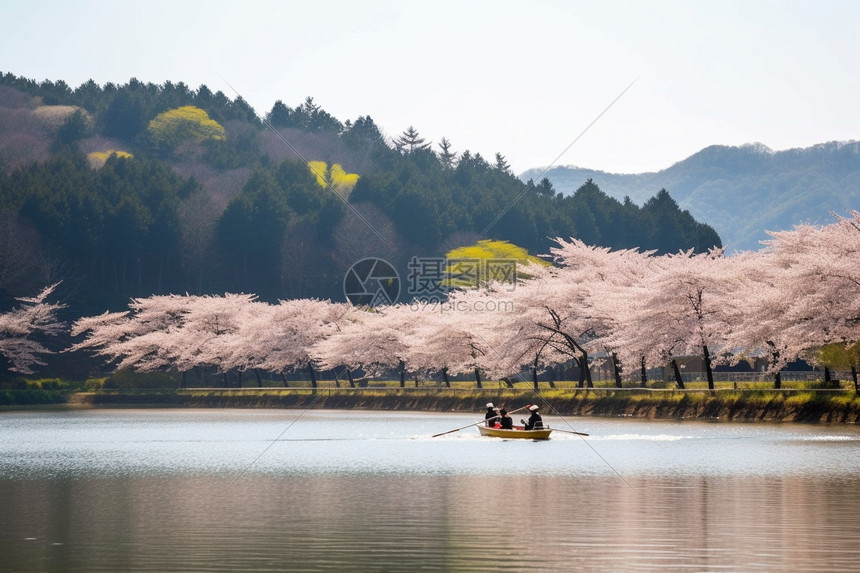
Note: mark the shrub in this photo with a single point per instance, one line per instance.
(130, 380)
(182, 125)
(94, 384)
(334, 177)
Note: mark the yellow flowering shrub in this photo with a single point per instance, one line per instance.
(486, 261)
(343, 182)
(340, 181)
(320, 170)
(183, 124)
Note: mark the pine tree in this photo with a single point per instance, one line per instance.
(410, 140)
(501, 164)
(447, 157)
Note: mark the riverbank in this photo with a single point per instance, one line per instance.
(742, 406)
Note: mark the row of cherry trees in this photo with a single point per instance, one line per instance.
(635, 308)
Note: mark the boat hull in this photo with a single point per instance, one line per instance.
(542, 434)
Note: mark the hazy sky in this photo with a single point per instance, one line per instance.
(521, 78)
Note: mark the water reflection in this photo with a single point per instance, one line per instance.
(227, 491)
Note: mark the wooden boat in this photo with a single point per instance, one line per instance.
(518, 433)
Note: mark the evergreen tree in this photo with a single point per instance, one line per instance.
(410, 140)
(125, 116)
(279, 116)
(501, 164)
(446, 156)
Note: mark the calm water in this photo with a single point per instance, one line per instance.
(237, 490)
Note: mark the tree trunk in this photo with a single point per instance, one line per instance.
(678, 380)
(402, 374)
(534, 378)
(854, 377)
(349, 377)
(478, 378)
(259, 378)
(226, 380)
(587, 369)
(616, 368)
(774, 354)
(551, 380)
(240, 379)
(182, 379)
(284, 378)
(827, 379)
(313, 377)
(708, 370)
(445, 377)
(581, 382)
(643, 373)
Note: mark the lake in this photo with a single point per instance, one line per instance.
(287, 490)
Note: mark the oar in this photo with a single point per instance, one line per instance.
(484, 421)
(568, 431)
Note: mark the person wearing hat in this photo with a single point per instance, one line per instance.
(535, 422)
(491, 416)
(505, 422)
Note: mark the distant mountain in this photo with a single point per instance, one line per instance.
(741, 192)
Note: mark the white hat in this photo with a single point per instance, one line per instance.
(533, 408)
(490, 405)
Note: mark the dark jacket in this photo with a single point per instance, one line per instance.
(535, 422)
(506, 422)
(491, 417)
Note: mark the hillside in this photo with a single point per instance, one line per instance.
(122, 191)
(741, 192)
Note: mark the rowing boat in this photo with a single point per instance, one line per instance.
(517, 433)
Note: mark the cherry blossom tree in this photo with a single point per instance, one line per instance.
(215, 332)
(546, 326)
(799, 293)
(756, 306)
(282, 337)
(450, 337)
(563, 312)
(170, 332)
(234, 332)
(22, 328)
(677, 310)
(608, 272)
(822, 279)
(370, 339)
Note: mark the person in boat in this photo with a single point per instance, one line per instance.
(491, 416)
(506, 422)
(535, 422)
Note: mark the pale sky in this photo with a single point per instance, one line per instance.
(520, 78)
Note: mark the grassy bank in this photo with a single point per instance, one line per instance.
(808, 403)
(724, 405)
